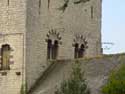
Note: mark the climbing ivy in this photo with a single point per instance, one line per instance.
(66, 3)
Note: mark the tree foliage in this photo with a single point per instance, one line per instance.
(116, 83)
(76, 84)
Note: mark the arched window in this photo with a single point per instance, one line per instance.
(55, 50)
(80, 44)
(53, 40)
(49, 49)
(76, 50)
(5, 57)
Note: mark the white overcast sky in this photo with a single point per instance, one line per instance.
(113, 25)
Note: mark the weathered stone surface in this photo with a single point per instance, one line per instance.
(75, 20)
(12, 32)
(97, 71)
(24, 25)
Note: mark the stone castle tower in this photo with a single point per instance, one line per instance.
(60, 29)
(32, 32)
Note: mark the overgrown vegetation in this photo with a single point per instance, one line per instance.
(116, 83)
(23, 89)
(76, 84)
(66, 3)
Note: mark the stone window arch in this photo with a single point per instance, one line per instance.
(53, 40)
(5, 57)
(80, 46)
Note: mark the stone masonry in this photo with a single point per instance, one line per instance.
(27, 27)
(68, 21)
(96, 72)
(12, 33)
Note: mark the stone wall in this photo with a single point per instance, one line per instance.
(12, 16)
(12, 32)
(96, 70)
(12, 80)
(77, 19)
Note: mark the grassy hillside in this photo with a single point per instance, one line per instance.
(96, 69)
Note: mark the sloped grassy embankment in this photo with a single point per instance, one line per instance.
(97, 70)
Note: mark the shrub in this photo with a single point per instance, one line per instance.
(116, 83)
(76, 84)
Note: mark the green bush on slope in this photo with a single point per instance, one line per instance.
(75, 84)
(116, 83)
